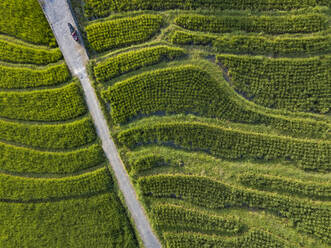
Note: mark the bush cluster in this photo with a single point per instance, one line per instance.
(176, 217)
(25, 189)
(146, 162)
(296, 84)
(256, 44)
(188, 89)
(231, 143)
(307, 23)
(312, 218)
(17, 53)
(12, 77)
(133, 60)
(100, 8)
(49, 136)
(56, 104)
(320, 191)
(27, 160)
(254, 238)
(122, 32)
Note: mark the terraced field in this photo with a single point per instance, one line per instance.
(55, 187)
(221, 111)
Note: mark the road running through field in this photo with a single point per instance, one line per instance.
(58, 14)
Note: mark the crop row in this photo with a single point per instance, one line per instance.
(101, 8)
(254, 238)
(146, 162)
(17, 53)
(25, 189)
(230, 143)
(25, 160)
(25, 20)
(300, 84)
(313, 190)
(56, 104)
(96, 221)
(12, 77)
(307, 23)
(172, 216)
(312, 218)
(256, 44)
(188, 89)
(49, 136)
(133, 60)
(122, 32)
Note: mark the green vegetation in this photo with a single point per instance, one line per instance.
(122, 32)
(25, 20)
(15, 52)
(43, 105)
(300, 84)
(51, 136)
(27, 160)
(307, 23)
(94, 221)
(230, 143)
(99, 8)
(256, 44)
(25, 189)
(133, 60)
(215, 194)
(12, 77)
(177, 217)
(285, 185)
(146, 162)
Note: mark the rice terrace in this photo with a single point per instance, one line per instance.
(165, 123)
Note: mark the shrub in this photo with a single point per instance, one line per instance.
(22, 77)
(57, 136)
(321, 191)
(56, 104)
(133, 60)
(146, 162)
(296, 84)
(21, 53)
(230, 143)
(307, 23)
(122, 32)
(312, 218)
(25, 160)
(188, 89)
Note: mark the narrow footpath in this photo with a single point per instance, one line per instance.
(58, 14)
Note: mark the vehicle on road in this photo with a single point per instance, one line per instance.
(73, 32)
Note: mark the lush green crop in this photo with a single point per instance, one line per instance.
(146, 162)
(309, 217)
(56, 104)
(96, 221)
(25, 189)
(22, 53)
(12, 77)
(254, 44)
(313, 190)
(133, 60)
(300, 84)
(188, 89)
(230, 143)
(254, 238)
(24, 160)
(57, 136)
(100, 8)
(307, 23)
(25, 20)
(172, 216)
(122, 32)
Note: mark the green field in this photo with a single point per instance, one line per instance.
(227, 140)
(56, 189)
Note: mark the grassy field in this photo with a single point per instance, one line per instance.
(227, 144)
(56, 187)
